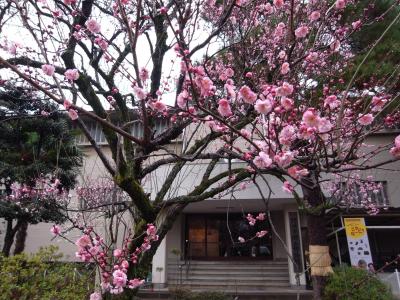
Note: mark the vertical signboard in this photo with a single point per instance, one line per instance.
(357, 240)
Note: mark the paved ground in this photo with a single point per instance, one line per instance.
(293, 293)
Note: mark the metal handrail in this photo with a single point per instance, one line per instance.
(188, 258)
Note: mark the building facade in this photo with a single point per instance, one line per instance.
(202, 249)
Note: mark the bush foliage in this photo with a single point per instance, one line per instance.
(349, 283)
(42, 276)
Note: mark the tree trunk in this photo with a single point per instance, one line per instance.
(20, 238)
(316, 224)
(317, 237)
(9, 236)
(164, 223)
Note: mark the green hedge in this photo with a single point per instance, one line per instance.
(349, 283)
(42, 276)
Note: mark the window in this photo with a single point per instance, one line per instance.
(97, 133)
(359, 195)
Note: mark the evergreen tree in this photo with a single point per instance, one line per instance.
(36, 143)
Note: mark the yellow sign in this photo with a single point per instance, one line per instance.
(355, 227)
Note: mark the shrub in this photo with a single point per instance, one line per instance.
(349, 283)
(42, 276)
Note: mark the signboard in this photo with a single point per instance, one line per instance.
(357, 240)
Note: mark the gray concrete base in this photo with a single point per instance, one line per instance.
(290, 293)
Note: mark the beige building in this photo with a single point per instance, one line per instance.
(201, 250)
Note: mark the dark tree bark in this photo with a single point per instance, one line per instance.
(21, 238)
(9, 236)
(314, 197)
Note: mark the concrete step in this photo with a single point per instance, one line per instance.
(233, 286)
(228, 269)
(232, 262)
(228, 279)
(230, 273)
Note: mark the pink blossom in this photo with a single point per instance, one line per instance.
(285, 90)
(287, 103)
(285, 68)
(48, 70)
(56, 230)
(395, 151)
(262, 160)
(93, 26)
(67, 104)
(229, 72)
(102, 43)
(139, 93)
(356, 24)
(241, 240)
(69, 2)
(263, 106)
(315, 15)
(324, 125)
(247, 94)
(245, 133)
(297, 172)
(397, 141)
(284, 159)
(340, 4)
(261, 217)
(151, 230)
(224, 108)
(206, 86)
(119, 278)
(366, 119)
(230, 90)
(262, 233)
(73, 114)
(268, 9)
(159, 106)
(117, 252)
(287, 187)
(278, 3)
(335, 46)
(378, 103)
(144, 74)
(163, 10)
(71, 74)
(280, 30)
(301, 32)
(287, 135)
(310, 118)
(182, 99)
(312, 57)
(95, 296)
(332, 102)
(252, 221)
(134, 283)
(83, 241)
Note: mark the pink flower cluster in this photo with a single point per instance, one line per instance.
(91, 247)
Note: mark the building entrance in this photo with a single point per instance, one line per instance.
(215, 236)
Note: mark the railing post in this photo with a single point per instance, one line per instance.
(398, 280)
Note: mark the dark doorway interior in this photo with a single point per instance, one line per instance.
(210, 237)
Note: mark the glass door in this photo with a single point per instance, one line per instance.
(213, 236)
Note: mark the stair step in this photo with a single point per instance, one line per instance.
(241, 279)
(230, 268)
(233, 285)
(232, 262)
(230, 273)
